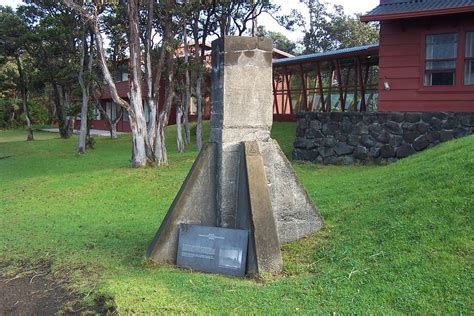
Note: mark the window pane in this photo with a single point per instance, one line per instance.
(470, 44)
(440, 78)
(113, 111)
(441, 46)
(469, 72)
(441, 38)
(96, 114)
(444, 64)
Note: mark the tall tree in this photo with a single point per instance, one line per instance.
(85, 77)
(168, 11)
(280, 41)
(331, 29)
(138, 123)
(148, 140)
(12, 40)
(187, 88)
(201, 26)
(53, 32)
(91, 15)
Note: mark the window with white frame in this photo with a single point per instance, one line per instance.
(440, 59)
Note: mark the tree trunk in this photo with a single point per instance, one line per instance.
(187, 128)
(150, 95)
(199, 53)
(112, 124)
(138, 124)
(67, 105)
(60, 112)
(113, 131)
(161, 156)
(254, 19)
(81, 141)
(187, 98)
(85, 88)
(24, 100)
(139, 158)
(51, 108)
(179, 130)
(199, 111)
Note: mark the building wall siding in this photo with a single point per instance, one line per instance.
(402, 66)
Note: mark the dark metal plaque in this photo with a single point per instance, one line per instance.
(212, 249)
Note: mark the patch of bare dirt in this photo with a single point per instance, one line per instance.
(35, 293)
(32, 296)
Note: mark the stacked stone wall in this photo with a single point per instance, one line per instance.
(352, 137)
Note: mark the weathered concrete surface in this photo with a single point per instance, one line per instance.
(263, 225)
(295, 213)
(194, 204)
(242, 111)
(241, 90)
(243, 219)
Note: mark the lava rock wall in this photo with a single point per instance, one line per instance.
(379, 137)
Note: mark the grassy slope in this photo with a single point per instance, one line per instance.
(397, 238)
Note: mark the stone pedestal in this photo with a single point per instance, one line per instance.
(248, 182)
(241, 91)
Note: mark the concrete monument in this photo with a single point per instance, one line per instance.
(241, 179)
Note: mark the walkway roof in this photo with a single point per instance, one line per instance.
(330, 55)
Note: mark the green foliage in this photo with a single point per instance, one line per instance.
(38, 110)
(11, 115)
(90, 142)
(331, 29)
(51, 40)
(280, 41)
(397, 239)
(10, 112)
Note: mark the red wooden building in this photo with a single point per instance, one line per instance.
(426, 55)
(423, 63)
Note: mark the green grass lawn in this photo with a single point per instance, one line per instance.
(398, 238)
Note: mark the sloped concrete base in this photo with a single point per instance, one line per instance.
(294, 211)
(194, 204)
(271, 204)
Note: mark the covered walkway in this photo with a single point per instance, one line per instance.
(340, 80)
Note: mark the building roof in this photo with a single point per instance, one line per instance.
(398, 9)
(340, 53)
